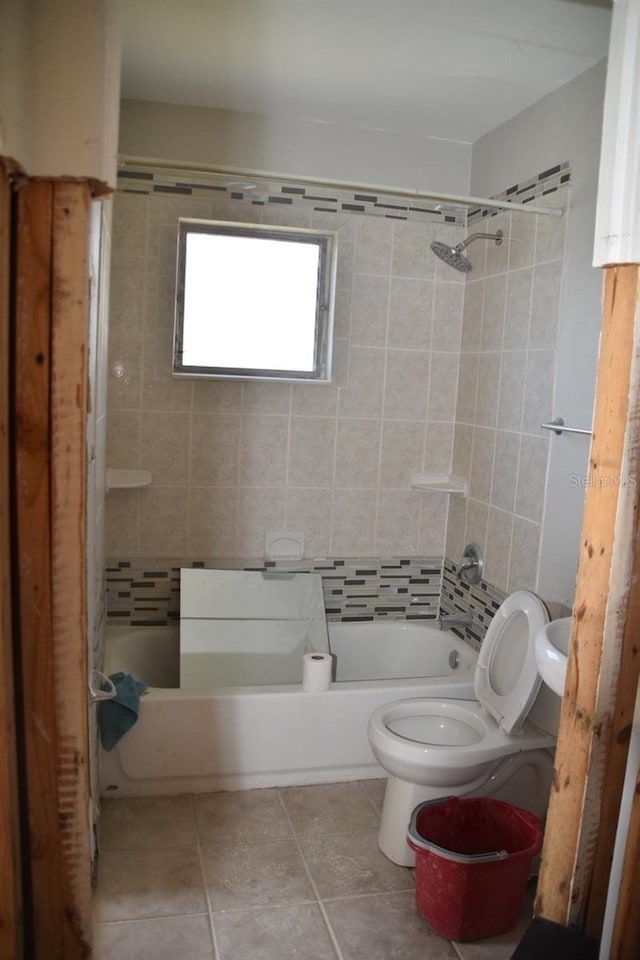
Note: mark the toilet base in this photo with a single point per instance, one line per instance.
(523, 779)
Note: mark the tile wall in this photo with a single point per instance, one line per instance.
(433, 370)
(507, 366)
(231, 461)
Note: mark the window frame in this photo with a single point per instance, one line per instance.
(326, 241)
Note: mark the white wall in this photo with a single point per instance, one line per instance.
(59, 99)
(297, 147)
(566, 125)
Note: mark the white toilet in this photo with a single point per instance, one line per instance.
(500, 744)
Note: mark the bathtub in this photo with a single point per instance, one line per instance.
(249, 736)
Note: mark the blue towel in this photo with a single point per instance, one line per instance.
(119, 714)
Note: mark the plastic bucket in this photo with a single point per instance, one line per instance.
(473, 862)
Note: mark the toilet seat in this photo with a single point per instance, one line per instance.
(447, 734)
(506, 681)
(435, 737)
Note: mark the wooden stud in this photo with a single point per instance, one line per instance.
(10, 887)
(601, 611)
(69, 329)
(51, 307)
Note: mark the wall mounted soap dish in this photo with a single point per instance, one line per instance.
(126, 479)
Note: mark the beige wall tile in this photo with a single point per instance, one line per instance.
(443, 386)
(545, 305)
(374, 239)
(493, 310)
(447, 316)
(411, 254)
(410, 313)
(163, 521)
(489, 367)
(532, 474)
(472, 315)
(310, 510)
(263, 451)
(311, 452)
(362, 396)
(215, 449)
(123, 440)
(525, 549)
(212, 521)
(354, 517)
(484, 441)
(518, 310)
(259, 510)
(498, 552)
(439, 448)
(433, 523)
(401, 452)
(369, 311)
(511, 394)
(357, 453)
(505, 470)
(406, 387)
(164, 446)
(397, 523)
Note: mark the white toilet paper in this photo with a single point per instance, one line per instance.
(316, 672)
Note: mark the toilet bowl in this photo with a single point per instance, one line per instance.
(500, 744)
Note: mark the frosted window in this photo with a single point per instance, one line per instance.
(253, 302)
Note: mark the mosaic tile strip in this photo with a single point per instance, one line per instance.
(481, 600)
(147, 592)
(263, 193)
(534, 190)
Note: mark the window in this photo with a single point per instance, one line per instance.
(254, 302)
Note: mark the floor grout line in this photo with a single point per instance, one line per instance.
(307, 869)
(212, 929)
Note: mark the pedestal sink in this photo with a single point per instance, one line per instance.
(551, 649)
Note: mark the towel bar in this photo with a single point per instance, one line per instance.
(558, 427)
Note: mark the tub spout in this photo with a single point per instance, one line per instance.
(455, 620)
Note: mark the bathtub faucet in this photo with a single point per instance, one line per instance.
(455, 620)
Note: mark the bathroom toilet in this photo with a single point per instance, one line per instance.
(499, 745)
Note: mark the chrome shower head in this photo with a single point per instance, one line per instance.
(454, 257)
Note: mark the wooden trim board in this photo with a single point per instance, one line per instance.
(50, 404)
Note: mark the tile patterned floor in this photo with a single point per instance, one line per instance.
(280, 874)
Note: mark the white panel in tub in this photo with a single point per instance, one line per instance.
(250, 594)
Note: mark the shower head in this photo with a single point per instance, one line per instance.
(454, 257)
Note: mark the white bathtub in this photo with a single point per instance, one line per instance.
(242, 737)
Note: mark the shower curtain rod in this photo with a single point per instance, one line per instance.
(265, 175)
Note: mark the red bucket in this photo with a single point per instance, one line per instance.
(473, 861)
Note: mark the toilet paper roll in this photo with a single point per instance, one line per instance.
(316, 672)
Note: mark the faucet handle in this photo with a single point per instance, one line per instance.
(471, 566)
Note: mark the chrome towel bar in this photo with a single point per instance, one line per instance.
(558, 427)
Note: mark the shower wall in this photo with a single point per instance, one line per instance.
(231, 461)
(507, 368)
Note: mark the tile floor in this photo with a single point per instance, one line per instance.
(291, 873)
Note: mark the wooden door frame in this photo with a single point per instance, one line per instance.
(604, 655)
(50, 408)
(10, 865)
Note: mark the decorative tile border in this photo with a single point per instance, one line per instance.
(278, 192)
(534, 190)
(480, 599)
(147, 592)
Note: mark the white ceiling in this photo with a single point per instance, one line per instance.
(442, 68)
